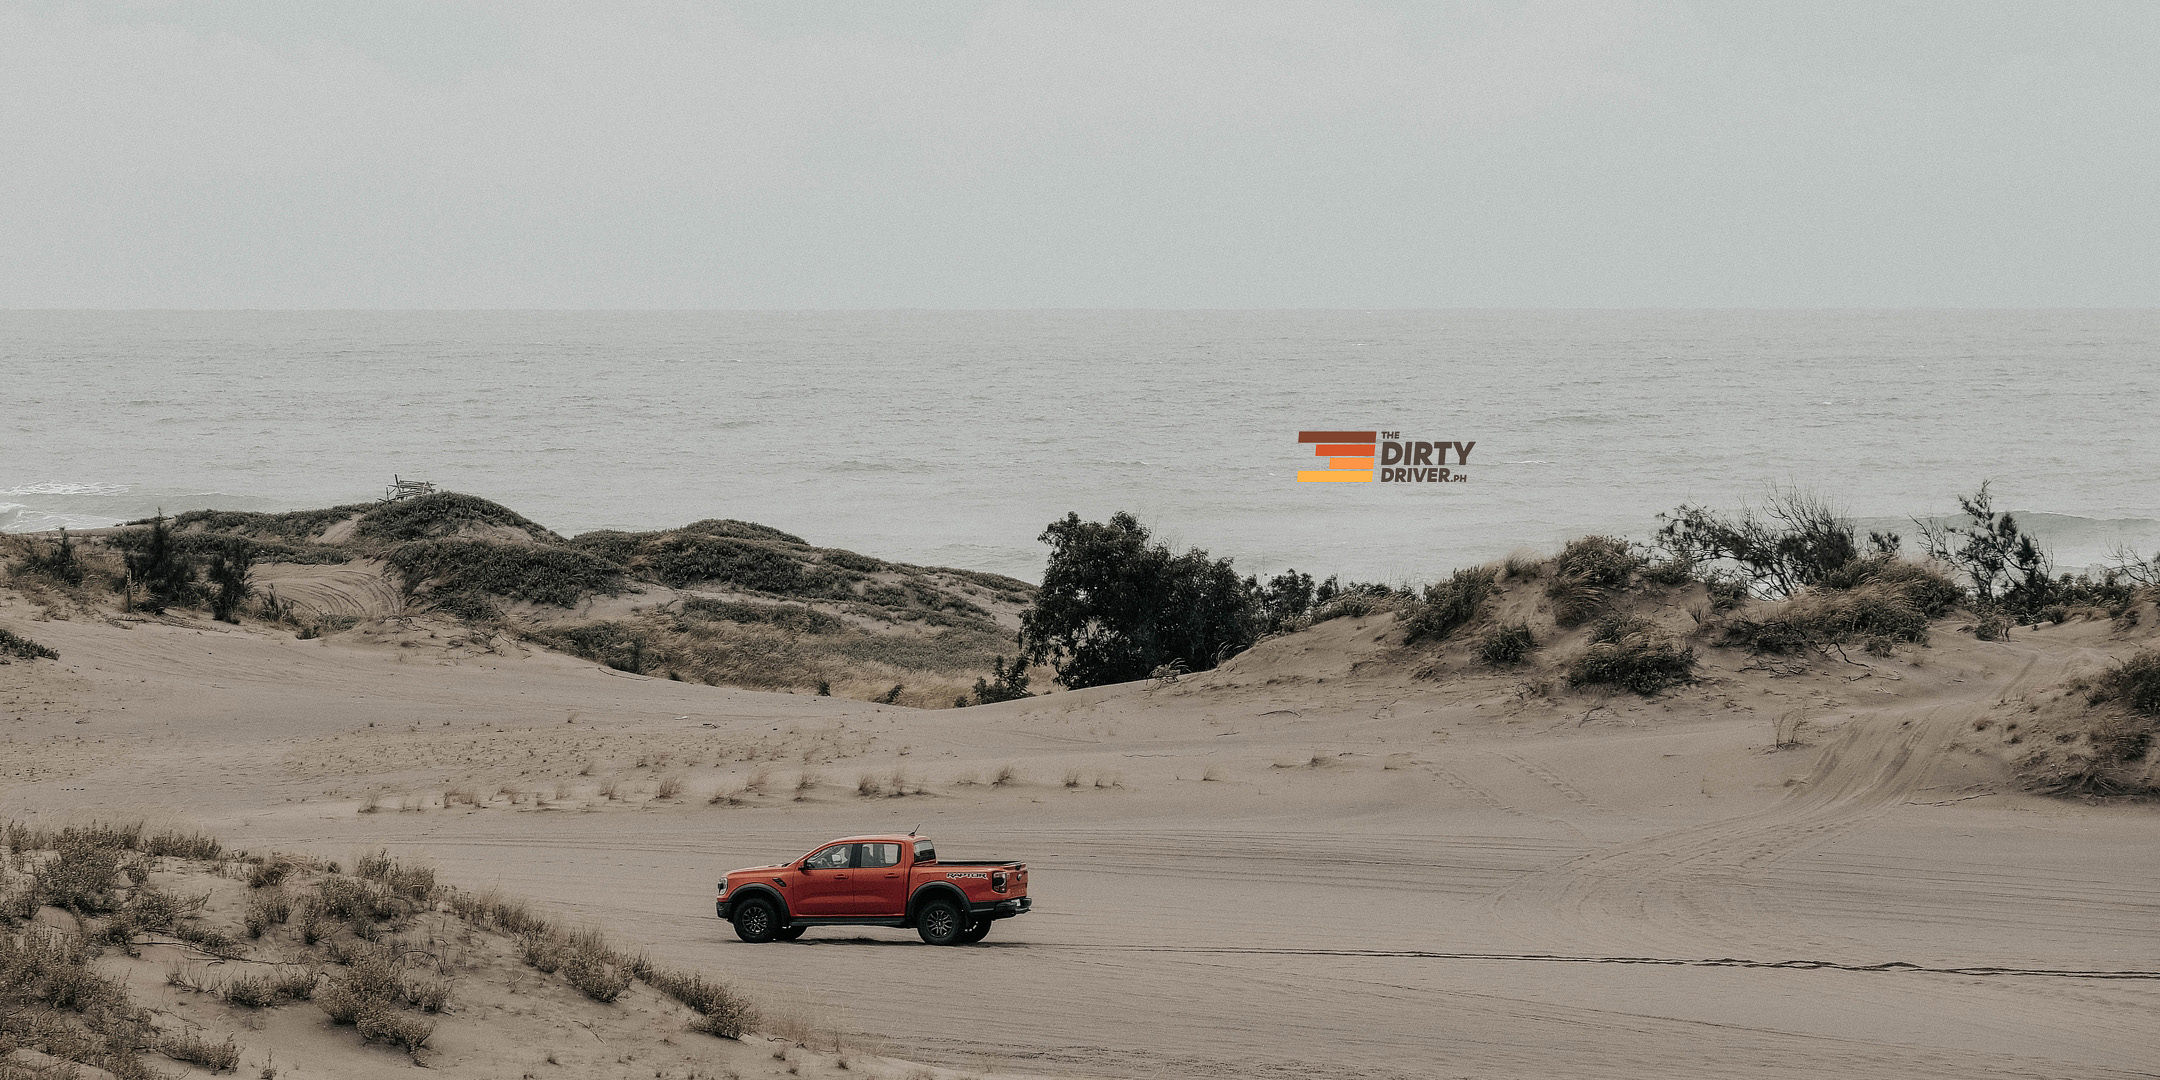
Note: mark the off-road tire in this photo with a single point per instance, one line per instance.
(941, 922)
(756, 921)
(790, 933)
(975, 932)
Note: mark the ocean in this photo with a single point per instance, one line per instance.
(952, 438)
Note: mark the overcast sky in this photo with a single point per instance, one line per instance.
(899, 153)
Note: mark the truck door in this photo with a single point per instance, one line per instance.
(827, 883)
(880, 881)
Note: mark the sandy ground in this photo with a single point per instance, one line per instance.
(1315, 862)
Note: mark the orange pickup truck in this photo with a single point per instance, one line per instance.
(874, 881)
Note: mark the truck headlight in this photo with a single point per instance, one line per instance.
(723, 888)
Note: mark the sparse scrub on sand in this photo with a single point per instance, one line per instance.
(1449, 605)
(262, 990)
(868, 785)
(2134, 684)
(1825, 617)
(1509, 644)
(265, 910)
(220, 1055)
(1587, 573)
(14, 646)
(671, 787)
(1644, 661)
(721, 1011)
(1006, 775)
(594, 976)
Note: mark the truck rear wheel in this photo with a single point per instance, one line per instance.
(756, 921)
(941, 922)
(975, 932)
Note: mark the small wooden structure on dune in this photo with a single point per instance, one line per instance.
(406, 489)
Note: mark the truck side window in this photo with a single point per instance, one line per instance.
(875, 855)
(832, 858)
(925, 852)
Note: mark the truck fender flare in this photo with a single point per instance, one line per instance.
(930, 889)
(769, 893)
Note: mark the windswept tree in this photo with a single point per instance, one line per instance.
(1115, 605)
(2003, 562)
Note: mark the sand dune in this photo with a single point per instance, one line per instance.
(1330, 857)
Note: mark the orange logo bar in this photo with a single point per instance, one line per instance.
(1349, 456)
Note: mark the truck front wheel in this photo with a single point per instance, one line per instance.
(756, 921)
(941, 922)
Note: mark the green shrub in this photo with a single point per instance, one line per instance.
(1506, 645)
(1115, 605)
(22, 648)
(1448, 605)
(1643, 661)
(1010, 682)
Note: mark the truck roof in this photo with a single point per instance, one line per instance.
(875, 838)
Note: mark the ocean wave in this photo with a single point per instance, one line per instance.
(58, 487)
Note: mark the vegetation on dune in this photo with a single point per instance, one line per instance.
(159, 574)
(2134, 684)
(292, 526)
(447, 569)
(1115, 605)
(1007, 682)
(1632, 655)
(1509, 644)
(1449, 605)
(56, 562)
(439, 515)
(1586, 575)
(14, 646)
(355, 945)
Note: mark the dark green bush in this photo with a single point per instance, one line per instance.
(1115, 605)
(1448, 605)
